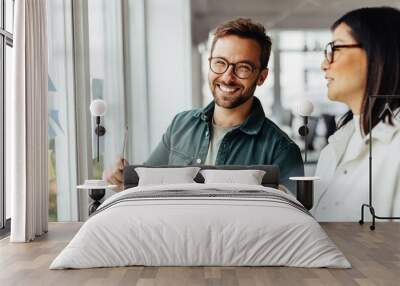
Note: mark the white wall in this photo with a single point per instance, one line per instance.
(197, 78)
(168, 32)
(136, 103)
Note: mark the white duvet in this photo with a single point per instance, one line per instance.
(206, 230)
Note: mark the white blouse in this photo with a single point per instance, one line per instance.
(356, 140)
(344, 173)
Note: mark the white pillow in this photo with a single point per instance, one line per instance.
(248, 177)
(164, 176)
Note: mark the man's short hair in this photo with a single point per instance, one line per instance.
(245, 28)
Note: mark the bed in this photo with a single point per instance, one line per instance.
(201, 224)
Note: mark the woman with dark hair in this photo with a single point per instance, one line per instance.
(363, 59)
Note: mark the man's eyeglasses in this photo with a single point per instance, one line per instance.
(331, 48)
(242, 70)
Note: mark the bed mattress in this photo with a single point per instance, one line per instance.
(201, 225)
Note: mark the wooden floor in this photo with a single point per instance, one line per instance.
(375, 256)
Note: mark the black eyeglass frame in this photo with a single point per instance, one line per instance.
(254, 68)
(335, 48)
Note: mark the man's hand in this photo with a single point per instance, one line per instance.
(283, 189)
(114, 175)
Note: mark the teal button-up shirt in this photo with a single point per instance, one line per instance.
(257, 141)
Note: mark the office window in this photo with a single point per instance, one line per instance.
(102, 19)
(9, 15)
(301, 75)
(6, 44)
(107, 77)
(61, 113)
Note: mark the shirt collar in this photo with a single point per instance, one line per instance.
(383, 132)
(252, 124)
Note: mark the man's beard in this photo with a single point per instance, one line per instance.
(239, 100)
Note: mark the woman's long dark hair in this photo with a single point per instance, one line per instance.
(377, 29)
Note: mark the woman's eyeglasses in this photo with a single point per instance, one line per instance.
(331, 48)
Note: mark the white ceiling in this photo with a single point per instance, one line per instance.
(274, 14)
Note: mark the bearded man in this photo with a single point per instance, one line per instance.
(232, 129)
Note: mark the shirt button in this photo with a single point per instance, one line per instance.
(345, 172)
(198, 161)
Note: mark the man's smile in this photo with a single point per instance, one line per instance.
(227, 88)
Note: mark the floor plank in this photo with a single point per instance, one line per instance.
(375, 257)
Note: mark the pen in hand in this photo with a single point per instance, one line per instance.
(125, 142)
(114, 175)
